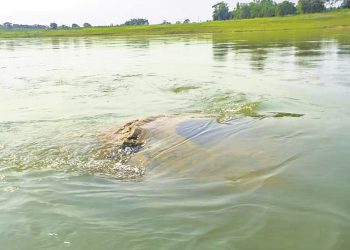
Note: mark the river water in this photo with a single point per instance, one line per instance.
(267, 167)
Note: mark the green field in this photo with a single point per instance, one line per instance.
(330, 21)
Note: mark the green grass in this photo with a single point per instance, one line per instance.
(338, 20)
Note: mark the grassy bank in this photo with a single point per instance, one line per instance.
(339, 20)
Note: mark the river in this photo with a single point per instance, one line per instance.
(269, 168)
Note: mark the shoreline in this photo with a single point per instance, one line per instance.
(328, 21)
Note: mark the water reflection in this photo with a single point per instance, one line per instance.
(343, 49)
(88, 42)
(221, 50)
(258, 53)
(55, 43)
(309, 49)
(138, 43)
(10, 45)
(258, 58)
(305, 53)
(308, 54)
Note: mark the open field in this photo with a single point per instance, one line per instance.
(313, 22)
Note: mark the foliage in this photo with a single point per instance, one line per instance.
(262, 8)
(311, 6)
(53, 26)
(74, 26)
(345, 4)
(257, 8)
(63, 27)
(221, 11)
(7, 25)
(186, 21)
(285, 8)
(87, 25)
(165, 22)
(137, 21)
(242, 11)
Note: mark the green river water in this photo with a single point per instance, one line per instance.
(267, 167)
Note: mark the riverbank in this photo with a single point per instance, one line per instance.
(339, 20)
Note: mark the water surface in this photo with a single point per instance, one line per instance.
(268, 170)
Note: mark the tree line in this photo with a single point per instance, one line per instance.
(269, 8)
(9, 25)
(55, 26)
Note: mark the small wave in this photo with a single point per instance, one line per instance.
(226, 106)
(183, 89)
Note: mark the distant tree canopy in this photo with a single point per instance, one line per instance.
(221, 11)
(345, 4)
(262, 8)
(87, 25)
(137, 21)
(286, 8)
(166, 22)
(242, 11)
(53, 26)
(311, 6)
(74, 26)
(9, 25)
(257, 8)
(187, 21)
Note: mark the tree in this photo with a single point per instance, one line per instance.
(74, 26)
(242, 11)
(7, 25)
(87, 25)
(262, 8)
(286, 8)
(257, 8)
(310, 6)
(137, 21)
(165, 22)
(345, 4)
(63, 27)
(221, 11)
(53, 26)
(187, 21)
